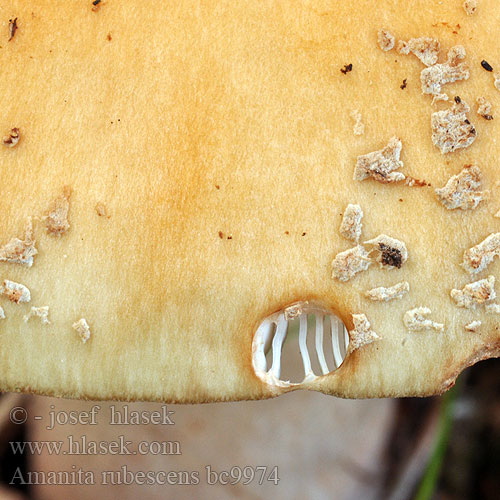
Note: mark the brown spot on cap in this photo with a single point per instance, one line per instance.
(390, 256)
(12, 139)
(346, 69)
(12, 28)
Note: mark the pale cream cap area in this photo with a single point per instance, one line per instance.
(186, 169)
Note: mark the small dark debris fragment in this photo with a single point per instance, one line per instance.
(346, 68)
(217, 186)
(101, 210)
(390, 256)
(221, 235)
(412, 182)
(303, 234)
(12, 28)
(287, 232)
(400, 199)
(96, 5)
(486, 65)
(487, 117)
(12, 139)
(229, 237)
(402, 87)
(108, 38)
(467, 121)
(457, 99)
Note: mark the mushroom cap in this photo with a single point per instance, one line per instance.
(219, 140)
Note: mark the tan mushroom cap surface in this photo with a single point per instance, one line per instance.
(218, 137)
